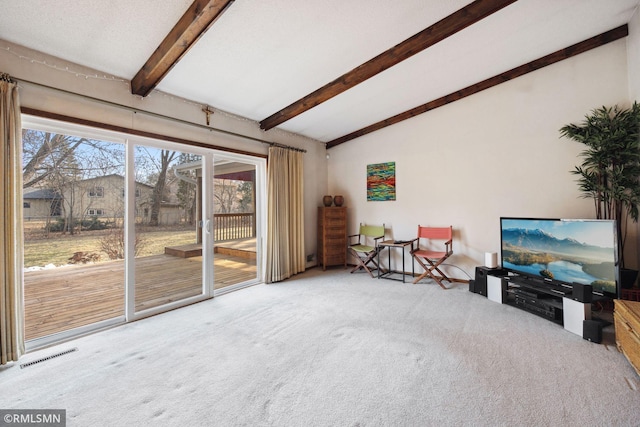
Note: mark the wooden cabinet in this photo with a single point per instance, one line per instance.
(332, 236)
(627, 323)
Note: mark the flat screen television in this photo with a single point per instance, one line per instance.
(562, 251)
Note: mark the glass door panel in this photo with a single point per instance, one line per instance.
(73, 199)
(235, 224)
(117, 230)
(168, 234)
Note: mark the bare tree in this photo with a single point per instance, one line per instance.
(166, 157)
(245, 188)
(60, 162)
(45, 154)
(225, 193)
(187, 191)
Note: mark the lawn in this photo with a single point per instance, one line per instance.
(57, 249)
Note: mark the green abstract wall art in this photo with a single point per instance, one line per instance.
(381, 181)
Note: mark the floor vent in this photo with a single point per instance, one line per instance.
(62, 353)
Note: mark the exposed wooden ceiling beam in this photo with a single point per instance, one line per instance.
(437, 32)
(191, 26)
(560, 55)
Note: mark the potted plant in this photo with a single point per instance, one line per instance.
(610, 171)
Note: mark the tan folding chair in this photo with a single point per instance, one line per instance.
(366, 248)
(431, 259)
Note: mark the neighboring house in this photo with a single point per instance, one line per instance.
(41, 204)
(101, 197)
(170, 213)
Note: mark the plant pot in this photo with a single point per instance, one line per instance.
(338, 200)
(327, 200)
(628, 278)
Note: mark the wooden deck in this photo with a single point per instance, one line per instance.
(69, 297)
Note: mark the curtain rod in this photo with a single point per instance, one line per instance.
(157, 115)
(275, 144)
(4, 77)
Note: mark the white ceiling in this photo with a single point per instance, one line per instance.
(262, 55)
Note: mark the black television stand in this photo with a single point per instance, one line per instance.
(534, 298)
(550, 301)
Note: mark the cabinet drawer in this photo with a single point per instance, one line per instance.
(335, 251)
(334, 260)
(627, 324)
(333, 235)
(335, 214)
(630, 311)
(628, 342)
(337, 241)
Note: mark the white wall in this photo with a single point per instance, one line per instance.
(29, 65)
(496, 153)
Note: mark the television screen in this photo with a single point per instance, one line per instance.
(565, 251)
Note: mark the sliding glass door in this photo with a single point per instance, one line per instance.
(167, 210)
(119, 228)
(73, 204)
(237, 221)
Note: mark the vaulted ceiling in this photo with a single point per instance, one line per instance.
(331, 70)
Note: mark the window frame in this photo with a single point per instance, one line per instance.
(96, 192)
(98, 212)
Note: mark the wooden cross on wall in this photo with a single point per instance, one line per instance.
(208, 111)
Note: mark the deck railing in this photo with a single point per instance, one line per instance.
(234, 226)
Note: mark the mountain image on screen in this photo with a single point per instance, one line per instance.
(541, 241)
(537, 252)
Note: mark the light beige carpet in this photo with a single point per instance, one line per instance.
(333, 349)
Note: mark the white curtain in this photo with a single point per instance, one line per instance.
(285, 214)
(11, 290)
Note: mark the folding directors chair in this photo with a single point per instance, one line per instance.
(366, 248)
(430, 259)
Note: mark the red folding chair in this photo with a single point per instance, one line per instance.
(429, 258)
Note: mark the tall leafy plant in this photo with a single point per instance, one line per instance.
(610, 171)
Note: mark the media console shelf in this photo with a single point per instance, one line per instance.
(534, 298)
(555, 303)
